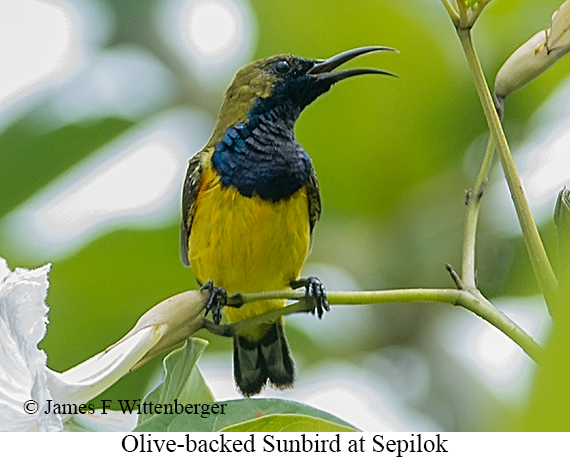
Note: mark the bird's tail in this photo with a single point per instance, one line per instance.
(256, 362)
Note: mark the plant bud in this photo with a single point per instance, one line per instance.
(562, 210)
(178, 314)
(535, 56)
(562, 221)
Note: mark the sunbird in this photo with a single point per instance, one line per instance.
(250, 203)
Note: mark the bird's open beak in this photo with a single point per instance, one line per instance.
(323, 68)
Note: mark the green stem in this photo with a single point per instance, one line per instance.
(463, 16)
(451, 11)
(472, 215)
(538, 257)
(472, 301)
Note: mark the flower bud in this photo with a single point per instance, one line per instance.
(562, 221)
(536, 55)
(562, 210)
(162, 327)
(178, 314)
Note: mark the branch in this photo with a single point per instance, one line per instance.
(453, 14)
(471, 217)
(541, 265)
(472, 301)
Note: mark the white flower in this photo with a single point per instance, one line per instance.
(23, 381)
(28, 387)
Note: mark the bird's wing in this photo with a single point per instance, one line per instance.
(314, 196)
(192, 184)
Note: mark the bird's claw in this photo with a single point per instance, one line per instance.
(315, 292)
(217, 300)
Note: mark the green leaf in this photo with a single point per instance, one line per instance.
(247, 410)
(182, 379)
(288, 423)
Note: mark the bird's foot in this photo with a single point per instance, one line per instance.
(218, 298)
(314, 292)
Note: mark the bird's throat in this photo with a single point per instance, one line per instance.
(262, 157)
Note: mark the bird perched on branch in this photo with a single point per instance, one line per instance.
(251, 201)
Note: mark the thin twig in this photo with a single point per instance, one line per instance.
(468, 272)
(474, 302)
(538, 257)
(456, 279)
(451, 11)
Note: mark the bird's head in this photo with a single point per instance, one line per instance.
(286, 82)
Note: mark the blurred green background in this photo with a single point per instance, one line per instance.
(103, 101)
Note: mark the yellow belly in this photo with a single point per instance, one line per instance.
(248, 244)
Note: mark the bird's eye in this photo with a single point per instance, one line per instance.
(282, 67)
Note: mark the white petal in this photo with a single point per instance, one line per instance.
(23, 319)
(559, 31)
(88, 379)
